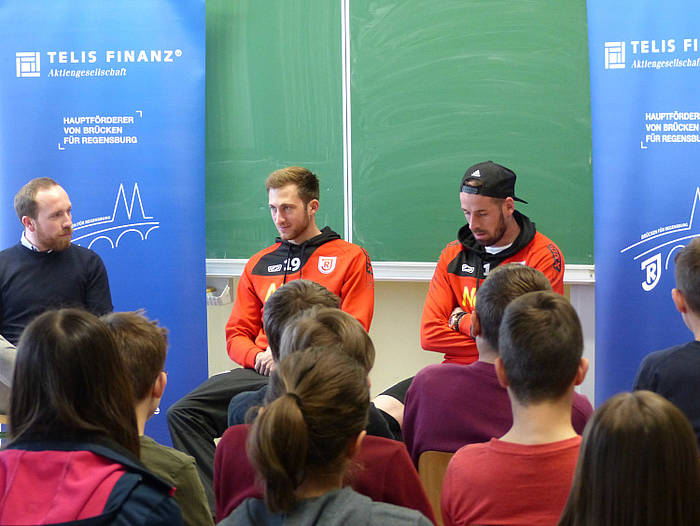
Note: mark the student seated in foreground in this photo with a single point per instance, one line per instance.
(143, 347)
(674, 373)
(382, 468)
(303, 442)
(282, 305)
(638, 466)
(451, 405)
(74, 445)
(287, 302)
(524, 477)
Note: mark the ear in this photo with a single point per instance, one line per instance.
(581, 372)
(159, 385)
(679, 301)
(508, 206)
(313, 206)
(476, 325)
(28, 223)
(354, 445)
(501, 373)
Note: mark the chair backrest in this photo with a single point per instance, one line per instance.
(431, 469)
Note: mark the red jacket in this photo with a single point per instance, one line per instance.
(99, 483)
(383, 471)
(462, 266)
(343, 268)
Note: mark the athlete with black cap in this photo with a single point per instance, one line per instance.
(495, 233)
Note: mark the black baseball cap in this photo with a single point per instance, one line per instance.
(496, 181)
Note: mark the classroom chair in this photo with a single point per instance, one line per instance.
(431, 469)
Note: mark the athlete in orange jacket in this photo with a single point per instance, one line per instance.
(341, 267)
(495, 233)
(302, 251)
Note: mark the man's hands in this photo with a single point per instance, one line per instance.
(264, 364)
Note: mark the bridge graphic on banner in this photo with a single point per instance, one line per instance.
(125, 218)
(657, 246)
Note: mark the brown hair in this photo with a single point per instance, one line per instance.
(305, 181)
(143, 345)
(327, 326)
(638, 466)
(317, 404)
(687, 263)
(25, 199)
(540, 344)
(288, 301)
(69, 381)
(504, 284)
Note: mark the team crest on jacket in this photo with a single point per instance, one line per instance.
(326, 264)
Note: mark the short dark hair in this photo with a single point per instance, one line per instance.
(143, 345)
(687, 272)
(318, 402)
(25, 199)
(288, 301)
(328, 327)
(305, 181)
(638, 466)
(68, 382)
(504, 284)
(540, 344)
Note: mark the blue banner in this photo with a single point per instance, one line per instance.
(107, 98)
(645, 72)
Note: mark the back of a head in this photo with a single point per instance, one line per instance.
(540, 344)
(638, 466)
(503, 285)
(305, 181)
(328, 327)
(143, 346)
(288, 301)
(318, 404)
(25, 200)
(69, 381)
(687, 271)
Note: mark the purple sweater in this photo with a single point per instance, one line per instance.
(451, 405)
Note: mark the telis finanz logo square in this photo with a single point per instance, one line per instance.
(28, 63)
(614, 55)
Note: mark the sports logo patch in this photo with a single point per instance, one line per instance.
(556, 257)
(274, 268)
(326, 264)
(467, 269)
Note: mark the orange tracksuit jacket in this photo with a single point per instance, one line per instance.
(343, 268)
(463, 264)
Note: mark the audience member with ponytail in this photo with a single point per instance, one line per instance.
(382, 470)
(303, 442)
(638, 466)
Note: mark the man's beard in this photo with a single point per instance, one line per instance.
(498, 234)
(55, 243)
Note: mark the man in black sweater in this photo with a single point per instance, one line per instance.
(44, 270)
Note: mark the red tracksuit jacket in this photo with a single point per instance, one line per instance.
(343, 268)
(463, 264)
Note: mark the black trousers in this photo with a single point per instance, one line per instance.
(202, 415)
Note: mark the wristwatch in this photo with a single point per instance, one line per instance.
(455, 319)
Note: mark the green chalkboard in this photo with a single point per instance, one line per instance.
(435, 87)
(438, 86)
(273, 100)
